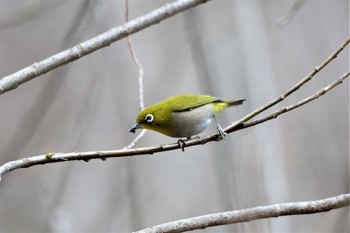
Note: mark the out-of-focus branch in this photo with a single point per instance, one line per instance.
(136, 139)
(281, 22)
(247, 215)
(14, 80)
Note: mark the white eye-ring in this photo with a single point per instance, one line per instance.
(149, 118)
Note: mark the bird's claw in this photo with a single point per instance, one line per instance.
(181, 144)
(221, 134)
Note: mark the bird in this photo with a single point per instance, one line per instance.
(183, 116)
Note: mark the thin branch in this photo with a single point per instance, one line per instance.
(136, 139)
(135, 59)
(140, 79)
(299, 104)
(105, 39)
(247, 215)
(295, 87)
(86, 156)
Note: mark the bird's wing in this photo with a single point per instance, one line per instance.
(188, 102)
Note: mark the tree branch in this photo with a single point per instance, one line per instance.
(140, 79)
(296, 86)
(247, 215)
(14, 80)
(299, 104)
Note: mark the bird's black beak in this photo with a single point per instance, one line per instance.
(135, 127)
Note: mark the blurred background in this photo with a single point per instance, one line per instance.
(232, 49)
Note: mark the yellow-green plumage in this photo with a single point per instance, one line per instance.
(182, 115)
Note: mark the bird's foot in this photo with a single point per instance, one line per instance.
(182, 142)
(221, 134)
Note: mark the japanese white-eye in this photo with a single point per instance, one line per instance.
(183, 115)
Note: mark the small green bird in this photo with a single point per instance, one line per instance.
(183, 115)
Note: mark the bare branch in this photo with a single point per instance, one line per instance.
(136, 139)
(14, 80)
(247, 215)
(296, 86)
(140, 79)
(300, 103)
(85, 156)
(135, 59)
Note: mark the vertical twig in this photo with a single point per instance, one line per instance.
(135, 59)
(140, 79)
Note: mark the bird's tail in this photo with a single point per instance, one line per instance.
(234, 102)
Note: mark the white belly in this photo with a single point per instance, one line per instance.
(192, 122)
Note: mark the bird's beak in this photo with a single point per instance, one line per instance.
(135, 127)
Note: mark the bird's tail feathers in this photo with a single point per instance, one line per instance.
(234, 102)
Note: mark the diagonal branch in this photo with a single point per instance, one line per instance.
(284, 20)
(105, 39)
(296, 86)
(299, 104)
(247, 215)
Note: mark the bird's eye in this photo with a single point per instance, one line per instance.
(149, 118)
